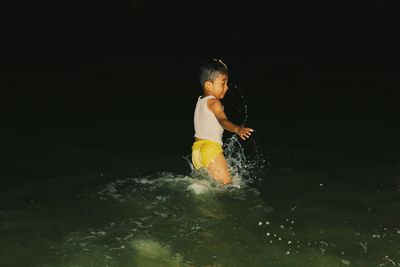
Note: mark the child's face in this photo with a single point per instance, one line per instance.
(219, 86)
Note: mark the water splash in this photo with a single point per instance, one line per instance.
(245, 170)
(245, 110)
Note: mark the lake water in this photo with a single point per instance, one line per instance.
(307, 192)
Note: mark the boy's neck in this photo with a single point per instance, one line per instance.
(206, 94)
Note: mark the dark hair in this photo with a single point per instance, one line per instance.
(211, 70)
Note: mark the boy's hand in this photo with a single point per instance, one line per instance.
(244, 132)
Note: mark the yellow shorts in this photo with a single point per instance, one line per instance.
(203, 152)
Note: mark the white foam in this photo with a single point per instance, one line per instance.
(199, 186)
(151, 253)
(150, 248)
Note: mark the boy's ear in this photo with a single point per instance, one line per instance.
(207, 85)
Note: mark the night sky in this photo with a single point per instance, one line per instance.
(87, 58)
(99, 63)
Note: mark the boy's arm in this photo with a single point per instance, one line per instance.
(216, 107)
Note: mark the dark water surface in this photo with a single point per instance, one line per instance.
(118, 191)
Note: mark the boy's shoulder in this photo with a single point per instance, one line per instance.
(214, 103)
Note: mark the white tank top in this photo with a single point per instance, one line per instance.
(206, 125)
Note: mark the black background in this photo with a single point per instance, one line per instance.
(88, 58)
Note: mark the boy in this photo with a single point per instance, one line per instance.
(210, 122)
